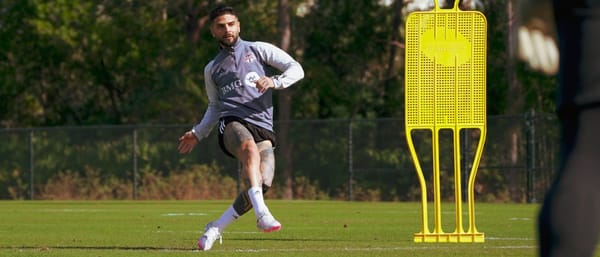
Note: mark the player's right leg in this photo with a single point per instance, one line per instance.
(212, 232)
(234, 137)
(239, 141)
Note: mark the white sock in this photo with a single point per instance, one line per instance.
(226, 218)
(258, 201)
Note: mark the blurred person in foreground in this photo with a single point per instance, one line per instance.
(239, 83)
(569, 220)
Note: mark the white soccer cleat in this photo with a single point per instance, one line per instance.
(211, 233)
(267, 223)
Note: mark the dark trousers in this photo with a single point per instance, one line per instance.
(569, 221)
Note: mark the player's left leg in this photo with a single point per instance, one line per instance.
(267, 163)
(267, 169)
(242, 203)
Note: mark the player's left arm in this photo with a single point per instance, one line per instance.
(291, 70)
(538, 46)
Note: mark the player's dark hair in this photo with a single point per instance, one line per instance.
(221, 9)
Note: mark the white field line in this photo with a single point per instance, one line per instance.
(184, 214)
(370, 249)
(510, 238)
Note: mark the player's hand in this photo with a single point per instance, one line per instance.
(264, 83)
(187, 142)
(537, 36)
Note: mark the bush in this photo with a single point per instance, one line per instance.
(92, 185)
(200, 182)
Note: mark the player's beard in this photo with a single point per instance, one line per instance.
(229, 40)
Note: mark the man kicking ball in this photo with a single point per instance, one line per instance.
(239, 87)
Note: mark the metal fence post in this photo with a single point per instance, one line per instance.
(31, 166)
(350, 164)
(135, 164)
(530, 118)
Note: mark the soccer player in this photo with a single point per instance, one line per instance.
(569, 221)
(239, 83)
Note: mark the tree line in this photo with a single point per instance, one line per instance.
(93, 62)
(129, 62)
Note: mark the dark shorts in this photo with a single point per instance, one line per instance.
(259, 134)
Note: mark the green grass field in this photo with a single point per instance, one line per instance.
(310, 228)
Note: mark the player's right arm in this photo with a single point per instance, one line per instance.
(188, 141)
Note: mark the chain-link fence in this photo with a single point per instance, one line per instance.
(316, 159)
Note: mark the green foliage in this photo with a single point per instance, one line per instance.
(130, 62)
(535, 90)
(344, 55)
(98, 62)
(14, 184)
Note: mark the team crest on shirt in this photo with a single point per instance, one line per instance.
(251, 78)
(249, 58)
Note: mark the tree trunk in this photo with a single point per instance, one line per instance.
(196, 20)
(515, 105)
(392, 89)
(284, 108)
